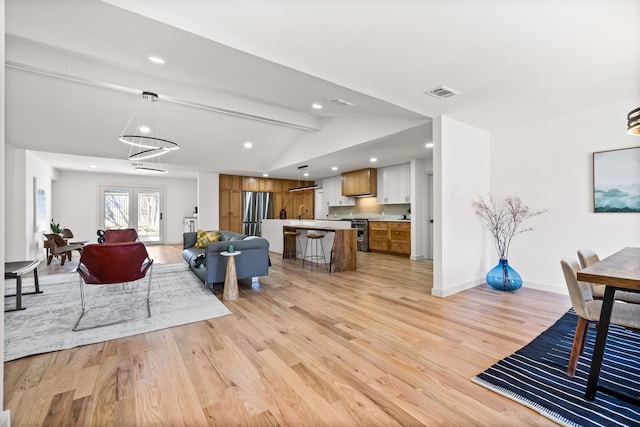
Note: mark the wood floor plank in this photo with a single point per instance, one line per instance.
(358, 348)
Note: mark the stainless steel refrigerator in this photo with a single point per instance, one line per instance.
(256, 206)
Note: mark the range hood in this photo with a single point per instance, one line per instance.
(360, 183)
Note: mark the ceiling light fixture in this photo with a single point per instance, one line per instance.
(343, 102)
(307, 186)
(316, 106)
(633, 122)
(146, 169)
(141, 134)
(373, 160)
(429, 145)
(248, 144)
(334, 168)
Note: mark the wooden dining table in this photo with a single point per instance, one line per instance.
(618, 271)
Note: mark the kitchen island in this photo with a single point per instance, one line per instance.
(340, 243)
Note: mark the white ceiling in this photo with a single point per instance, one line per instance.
(513, 61)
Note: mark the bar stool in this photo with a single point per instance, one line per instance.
(314, 255)
(291, 243)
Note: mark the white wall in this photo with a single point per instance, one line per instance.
(24, 240)
(208, 201)
(461, 173)
(76, 201)
(549, 164)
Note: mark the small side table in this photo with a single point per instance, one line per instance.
(230, 292)
(15, 270)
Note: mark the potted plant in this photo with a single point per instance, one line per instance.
(55, 227)
(504, 220)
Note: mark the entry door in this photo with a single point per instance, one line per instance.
(132, 207)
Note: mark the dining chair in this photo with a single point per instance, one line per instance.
(111, 264)
(60, 248)
(588, 257)
(588, 310)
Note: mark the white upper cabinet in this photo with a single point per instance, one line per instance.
(332, 193)
(394, 184)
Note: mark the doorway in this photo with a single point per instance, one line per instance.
(134, 207)
(428, 226)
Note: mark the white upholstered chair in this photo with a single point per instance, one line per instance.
(588, 310)
(588, 257)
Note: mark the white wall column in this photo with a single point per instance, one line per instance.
(461, 174)
(208, 201)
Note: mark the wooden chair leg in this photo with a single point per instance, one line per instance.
(49, 258)
(63, 257)
(578, 345)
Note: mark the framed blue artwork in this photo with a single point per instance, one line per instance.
(616, 180)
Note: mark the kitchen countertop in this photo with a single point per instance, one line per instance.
(369, 219)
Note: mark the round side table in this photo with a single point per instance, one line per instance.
(230, 292)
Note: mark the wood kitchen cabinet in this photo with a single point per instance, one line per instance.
(379, 236)
(230, 212)
(400, 237)
(232, 186)
(390, 236)
(251, 183)
(360, 182)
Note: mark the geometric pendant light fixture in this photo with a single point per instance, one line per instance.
(633, 122)
(141, 133)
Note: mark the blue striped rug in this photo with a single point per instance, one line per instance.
(536, 376)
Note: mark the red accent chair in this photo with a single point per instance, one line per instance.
(113, 263)
(120, 235)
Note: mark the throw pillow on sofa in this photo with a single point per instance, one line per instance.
(206, 237)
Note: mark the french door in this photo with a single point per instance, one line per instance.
(134, 207)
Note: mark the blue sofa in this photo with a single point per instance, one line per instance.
(210, 266)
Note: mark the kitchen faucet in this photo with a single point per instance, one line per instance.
(300, 211)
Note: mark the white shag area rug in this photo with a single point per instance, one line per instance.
(178, 297)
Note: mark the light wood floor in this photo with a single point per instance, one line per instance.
(368, 348)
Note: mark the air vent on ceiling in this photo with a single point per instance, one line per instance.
(342, 102)
(442, 92)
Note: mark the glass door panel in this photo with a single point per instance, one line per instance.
(139, 208)
(149, 215)
(116, 208)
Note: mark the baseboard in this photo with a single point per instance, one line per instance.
(5, 419)
(556, 289)
(443, 293)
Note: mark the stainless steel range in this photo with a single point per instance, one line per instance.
(362, 225)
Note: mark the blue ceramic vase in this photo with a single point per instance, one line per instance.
(503, 277)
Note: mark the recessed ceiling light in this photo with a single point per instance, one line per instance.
(248, 144)
(316, 106)
(429, 145)
(93, 166)
(373, 160)
(156, 59)
(334, 168)
(144, 129)
(306, 174)
(265, 175)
